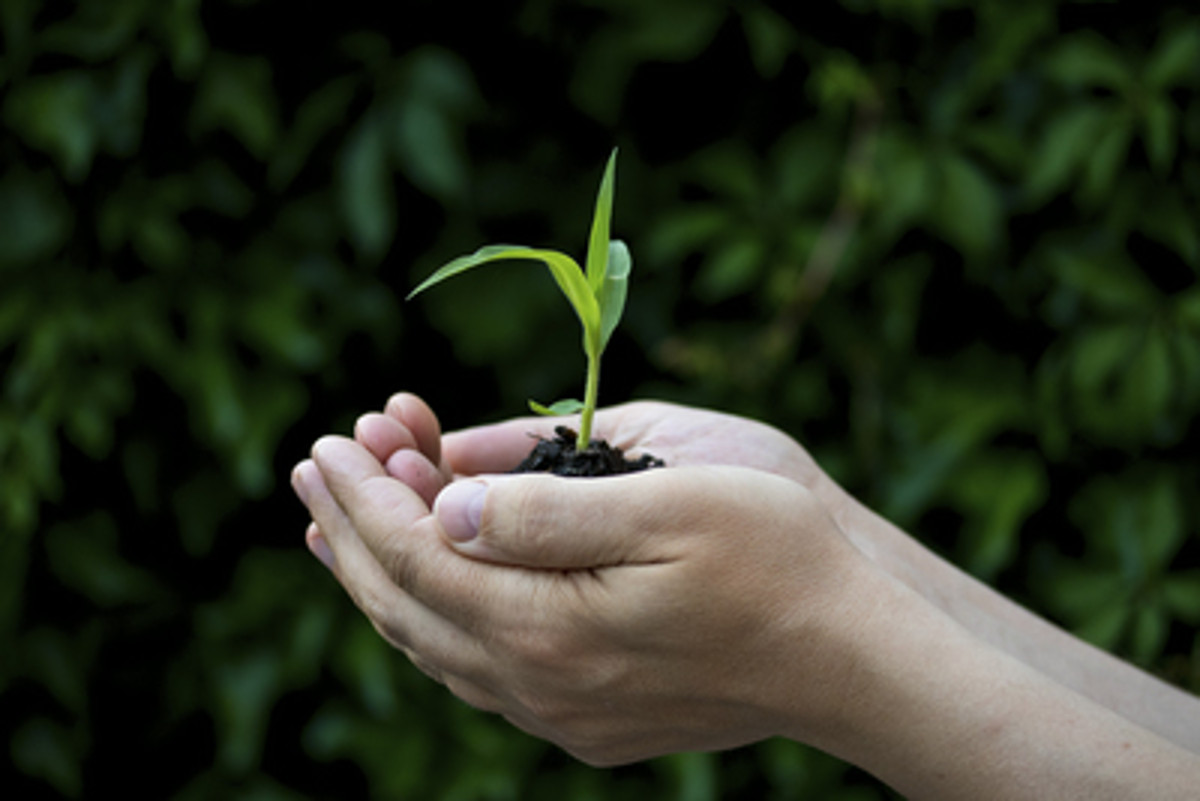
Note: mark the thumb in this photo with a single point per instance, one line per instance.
(548, 522)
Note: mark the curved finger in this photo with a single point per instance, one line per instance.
(402, 619)
(419, 419)
(418, 473)
(319, 548)
(496, 448)
(383, 435)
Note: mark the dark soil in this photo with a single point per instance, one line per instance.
(559, 456)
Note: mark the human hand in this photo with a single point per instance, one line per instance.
(406, 437)
(687, 608)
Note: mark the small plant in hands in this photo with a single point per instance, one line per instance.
(598, 296)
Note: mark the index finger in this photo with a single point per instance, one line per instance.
(496, 448)
(390, 521)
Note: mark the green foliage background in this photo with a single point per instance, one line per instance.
(952, 246)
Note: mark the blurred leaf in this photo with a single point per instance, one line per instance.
(365, 662)
(365, 194)
(218, 188)
(44, 749)
(319, 114)
(684, 231)
(34, 218)
(96, 31)
(1111, 284)
(184, 34)
(54, 114)
(732, 269)
(1086, 60)
(967, 212)
(730, 170)
(84, 556)
(1149, 634)
(16, 18)
(770, 37)
(1104, 627)
(425, 149)
(1166, 219)
(907, 184)
(694, 776)
(805, 165)
(998, 494)
(1064, 144)
(247, 686)
(1176, 58)
(1106, 159)
(1181, 591)
(61, 663)
(1147, 388)
(235, 96)
(428, 121)
(1160, 522)
(1160, 124)
(840, 82)
(673, 31)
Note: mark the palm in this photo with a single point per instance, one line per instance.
(679, 435)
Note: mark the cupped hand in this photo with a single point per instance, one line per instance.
(407, 439)
(698, 607)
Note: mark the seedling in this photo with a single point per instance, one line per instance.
(597, 294)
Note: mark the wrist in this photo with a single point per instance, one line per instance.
(938, 713)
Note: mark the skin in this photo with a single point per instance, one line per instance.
(586, 611)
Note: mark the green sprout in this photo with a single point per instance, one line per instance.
(597, 295)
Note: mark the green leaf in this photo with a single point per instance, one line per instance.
(968, 211)
(558, 408)
(319, 114)
(1160, 522)
(681, 232)
(1147, 383)
(1182, 593)
(425, 144)
(614, 289)
(732, 269)
(1109, 283)
(1065, 144)
(1175, 59)
(34, 218)
(1104, 627)
(236, 95)
(565, 270)
(598, 241)
(771, 39)
(1087, 60)
(45, 749)
(365, 189)
(1107, 156)
(1160, 125)
(1149, 634)
(83, 555)
(56, 114)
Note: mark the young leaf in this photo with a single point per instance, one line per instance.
(557, 408)
(598, 252)
(565, 270)
(613, 290)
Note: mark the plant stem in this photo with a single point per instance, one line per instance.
(590, 395)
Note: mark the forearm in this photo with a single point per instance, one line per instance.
(939, 714)
(1010, 628)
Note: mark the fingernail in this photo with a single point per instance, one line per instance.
(320, 549)
(459, 509)
(298, 481)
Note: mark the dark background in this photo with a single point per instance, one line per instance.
(952, 247)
